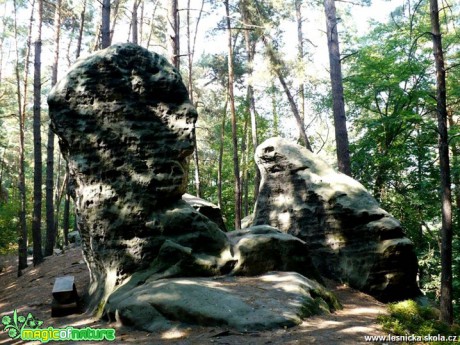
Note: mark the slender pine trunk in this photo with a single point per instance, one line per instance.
(456, 172)
(300, 53)
(446, 197)
(38, 178)
(80, 29)
(236, 169)
(134, 22)
(276, 65)
(105, 26)
(22, 235)
(58, 191)
(250, 44)
(173, 33)
(50, 225)
(66, 216)
(141, 27)
(275, 114)
(338, 104)
(190, 52)
(221, 155)
(244, 168)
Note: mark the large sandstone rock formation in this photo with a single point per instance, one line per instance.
(349, 236)
(125, 127)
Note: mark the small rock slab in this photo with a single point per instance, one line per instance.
(262, 248)
(207, 209)
(270, 301)
(65, 297)
(64, 290)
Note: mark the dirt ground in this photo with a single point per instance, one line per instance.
(31, 293)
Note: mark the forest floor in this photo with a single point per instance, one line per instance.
(31, 293)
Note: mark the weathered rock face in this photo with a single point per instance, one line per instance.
(262, 248)
(349, 236)
(125, 126)
(230, 301)
(207, 209)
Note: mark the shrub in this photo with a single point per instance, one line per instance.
(408, 317)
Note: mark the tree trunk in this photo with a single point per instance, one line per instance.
(22, 235)
(114, 15)
(80, 30)
(70, 45)
(105, 27)
(58, 193)
(141, 28)
(134, 22)
(66, 216)
(152, 26)
(236, 169)
(250, 51)
(22, 238)
(66, 219)
(37, 212)
(276, 65)
(446, 205)
(340, 124)
(173, 33)
(190, 54)
(300, 53)
(221, 156)
(2, 40)
(2, 167)
(456, 172)
(22, 131)
(50, 226)
(244, 168)
(254, 135)
(275, 114)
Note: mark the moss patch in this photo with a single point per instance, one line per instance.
(320, 302)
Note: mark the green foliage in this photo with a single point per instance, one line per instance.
(9, 223)
(408, 317)
(389, 88)
(216, 68)
(430, 272)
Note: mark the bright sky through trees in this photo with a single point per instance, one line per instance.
(316, 45)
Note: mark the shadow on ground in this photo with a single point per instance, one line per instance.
(31, 293)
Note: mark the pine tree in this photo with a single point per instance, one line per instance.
(338, 105)
(38, 179)
(444, 165)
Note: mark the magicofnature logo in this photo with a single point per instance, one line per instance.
(15, 323)
(28, 328)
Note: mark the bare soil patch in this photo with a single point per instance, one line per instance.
(31, 293)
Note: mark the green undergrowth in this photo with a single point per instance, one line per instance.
(410, 318)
